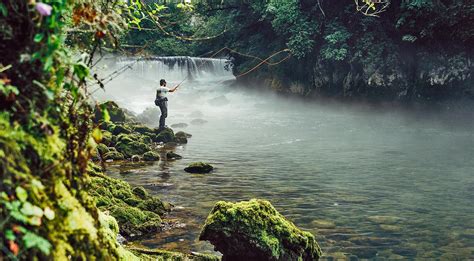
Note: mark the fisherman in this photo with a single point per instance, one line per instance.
(162, 102)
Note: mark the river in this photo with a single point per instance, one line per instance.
(367, 182)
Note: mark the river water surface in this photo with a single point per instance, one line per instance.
(368, 184)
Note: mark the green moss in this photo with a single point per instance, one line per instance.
(254, 230)
(181, 137)
(140, 192)
(113, 155)
(135, 210)
(102, 148)
(115, 112)
(166, 135)
(151, 156)
(107, 138)
(128, 149)
(142, 129)
(199, 167)
(120, 128)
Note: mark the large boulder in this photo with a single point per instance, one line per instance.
(199, 167)
(113, 155)
(254, 230)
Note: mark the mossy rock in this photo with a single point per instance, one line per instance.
(183, 134)
(119, 128)
(134, 209)
(254, 230)
(142, 129)
(107, 138)
(135, 158)
(102, 148)
(179, 125)
(151, 156)
(113, 155)
(199, 167)
(173, 156)
(165, 135)
(115, 112)
(128, 149)
(140, 192)
(181, 137)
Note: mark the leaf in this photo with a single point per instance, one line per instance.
(21, 194)
(38, 38)
(10, 235)
(81, 70)
(105, 115)
(49, 213)
(29, 209)
(3, 10)
(37, 184)
(31, 240)
(97, 135)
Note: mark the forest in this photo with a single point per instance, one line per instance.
(280, 145)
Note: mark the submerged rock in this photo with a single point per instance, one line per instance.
(254, 230)
(198, 121)
(321, 223)
(172, 156)
(151, 156)
(179, 125)
(199, 167)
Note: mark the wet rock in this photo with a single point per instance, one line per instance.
(102, 148)
(185, 134)
(219, 101)
(405, 251)
(140, 192)
(135, 158)
(142, 129)
(198, 121)
(121, 129)
(182, 137)
(113, 155)
(390, 228)
(179, 125)
(165, 135)
(129, 148)
(199, 167)
(115, 112)
(374, 241)
(321, 223)
(151, 156)
(364, 252)
(254, 230)
(384, 219)
(172, 156)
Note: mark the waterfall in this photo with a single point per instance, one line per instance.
(178, 68)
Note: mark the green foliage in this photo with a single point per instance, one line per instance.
(335, 47)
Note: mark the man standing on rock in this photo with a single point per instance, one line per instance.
(162, 102)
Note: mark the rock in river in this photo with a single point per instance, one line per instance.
(151, 156)
(254, 230)
(199, 167)
(198, 121)
(179, 125)
(173, 156)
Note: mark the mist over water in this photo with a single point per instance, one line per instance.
(367, 183)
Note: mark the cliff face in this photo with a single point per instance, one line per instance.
(424, 75)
